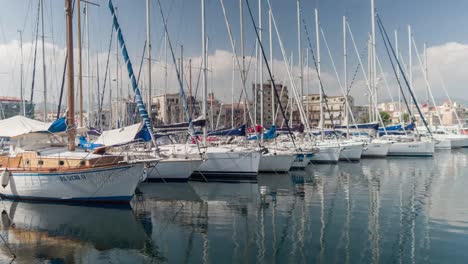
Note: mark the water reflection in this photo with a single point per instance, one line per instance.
(57, 232)
(409, 210)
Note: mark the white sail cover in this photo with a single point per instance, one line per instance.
(17, 126)
(119, 136)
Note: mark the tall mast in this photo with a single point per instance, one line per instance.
(190, 87)
(345, 63)
(299, 47)
(307, 83)
(118, 95)
(88, 71)
(204, 85)
(23, 104)
(270, 32)
(80, 70)
(43, 63)
(260, 29)
(148, 52)
(373, 62)
(165, 73)
(241, 10)
(71, 92)
(322, 121)
(410, 61)
(232, 89)
(425, 70)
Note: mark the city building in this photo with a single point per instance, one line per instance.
(269, 100)
(333, 110)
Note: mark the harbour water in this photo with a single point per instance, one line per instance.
(393, 210)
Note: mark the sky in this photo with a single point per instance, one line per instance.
(438, 23)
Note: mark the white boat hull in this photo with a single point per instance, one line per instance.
(351, 152)
(115, 184)
(172, 170)
(443, 144)
(326, 155)
(376, 150)
(229, 166)
(419, 148)
(275, 162)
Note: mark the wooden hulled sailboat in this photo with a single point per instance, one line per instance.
(52, 172)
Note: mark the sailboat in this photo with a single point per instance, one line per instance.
(52, 172)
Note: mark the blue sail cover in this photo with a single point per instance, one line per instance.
(397, 128)
(374, 126)
(240, 131)
(270, 134)
(59, 125)
(87, 145)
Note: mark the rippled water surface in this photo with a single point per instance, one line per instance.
(395, 210)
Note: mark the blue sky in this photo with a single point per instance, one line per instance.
(434, 22)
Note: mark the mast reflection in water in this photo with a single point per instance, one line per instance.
(411, 210)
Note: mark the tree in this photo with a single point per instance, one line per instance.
(406, 117)
(386, 118)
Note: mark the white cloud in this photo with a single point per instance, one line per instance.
(451, 58)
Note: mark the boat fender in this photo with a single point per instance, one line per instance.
(5, 178)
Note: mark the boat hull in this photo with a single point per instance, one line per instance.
(274, 162)
(229, 166)
(327, 155)
(443, 144)
(109, 185)
(420, 148)
(172, 170)
(375, 150)
(351, 152)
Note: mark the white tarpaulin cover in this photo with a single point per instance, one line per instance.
(119, 136)
(17, 126)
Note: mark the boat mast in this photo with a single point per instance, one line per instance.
(88, 71)
(148, 52)
(321, 123)
(299, 44)
(270, 32)
(243, 73)
(373, 63)
(71, 92)
(23, 104)
(345, 63)
(425, 71)
(80, 70)
(43, 62)
(307, 82)
(165, 74)
(232, 89)
(398, 77)
(260, 29)
(190, 87)
(204, 85)
(410, 61)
